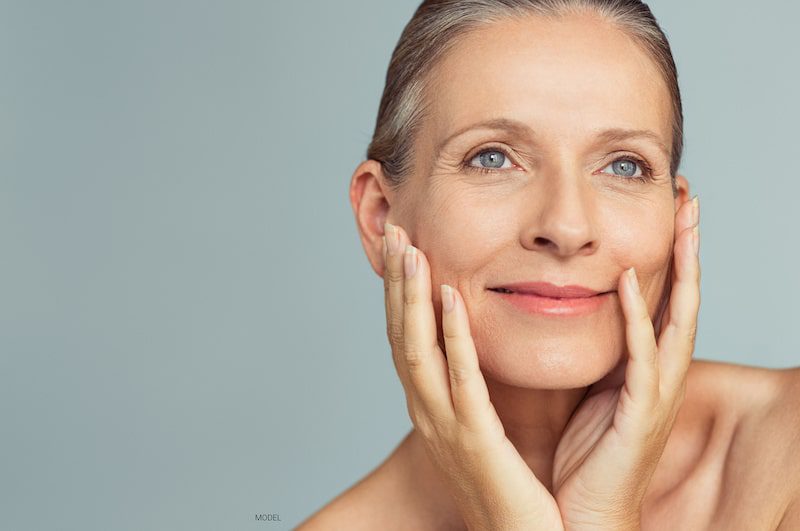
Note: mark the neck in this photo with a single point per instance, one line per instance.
(534, 420)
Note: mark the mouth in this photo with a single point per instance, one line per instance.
(567, 301)
(505, 290)
(546, 289)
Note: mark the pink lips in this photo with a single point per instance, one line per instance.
(546, 289)
(549, 299)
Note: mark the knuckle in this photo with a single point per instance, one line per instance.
(394, 277)
(432, 429)
(425, 428)
(414, 357)
(394, 329)
(410, 298)
(691, 333)
(651, 355)
(459, 375)
(448, 333)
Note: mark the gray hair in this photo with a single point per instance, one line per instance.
(436, 27)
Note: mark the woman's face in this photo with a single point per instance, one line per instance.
(558, 202)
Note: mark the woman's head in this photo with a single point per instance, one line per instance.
(570, 180)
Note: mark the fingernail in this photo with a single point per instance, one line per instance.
(384, 247)
(393, 238)
(447, 298)
(410, 262)
(634, 282)
(696, 239)
(695, 210)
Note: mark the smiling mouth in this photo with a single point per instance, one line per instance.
(508, 291)
(557, 307)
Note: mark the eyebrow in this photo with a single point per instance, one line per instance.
(517, 128)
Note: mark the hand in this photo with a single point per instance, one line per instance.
(449, 405)
(614, 440)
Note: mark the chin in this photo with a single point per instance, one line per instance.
(534, 351)
(560, 362)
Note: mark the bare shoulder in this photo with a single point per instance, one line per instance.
(341, 512)
(784, 416)
(744, 386)
(730, 462)
(393, 497)
(363, 505)
(760, 474)
(763, 403)
(348, 510)
(783, 412)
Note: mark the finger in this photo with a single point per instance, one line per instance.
(395, 241)
(470, 395)
(642, 371)
(427, 368)
(684, 218)
(681, 329)
(663, 308)
(393, 301)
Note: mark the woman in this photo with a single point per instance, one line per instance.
(539, 253)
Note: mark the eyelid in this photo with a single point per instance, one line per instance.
(642, 162)
(644, 165)
(622, 154)
(483, 148)
(635, 156)
(502, 149)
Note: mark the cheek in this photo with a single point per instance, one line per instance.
(647, 247)
(460, 235)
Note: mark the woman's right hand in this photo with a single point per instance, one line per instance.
(448, 401)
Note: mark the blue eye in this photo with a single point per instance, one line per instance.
(626, 167)
(491, 159)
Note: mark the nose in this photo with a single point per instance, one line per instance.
(562, 221)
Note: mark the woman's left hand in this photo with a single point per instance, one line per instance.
(612, 444)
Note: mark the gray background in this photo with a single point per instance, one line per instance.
(190, 333)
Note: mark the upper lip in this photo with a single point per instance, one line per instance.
(546, 289)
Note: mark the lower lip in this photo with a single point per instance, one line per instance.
(558, 307)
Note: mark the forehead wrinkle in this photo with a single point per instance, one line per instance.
(458, 62)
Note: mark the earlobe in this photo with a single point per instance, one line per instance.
(370, 203)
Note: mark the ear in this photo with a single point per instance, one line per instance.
(371, 197)
(682, 185)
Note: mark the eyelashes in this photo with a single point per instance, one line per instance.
(647, 171)
(466, 166)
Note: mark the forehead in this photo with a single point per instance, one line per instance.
(564, 77)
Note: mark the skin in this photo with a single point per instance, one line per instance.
(562, 217)
(558, 212)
